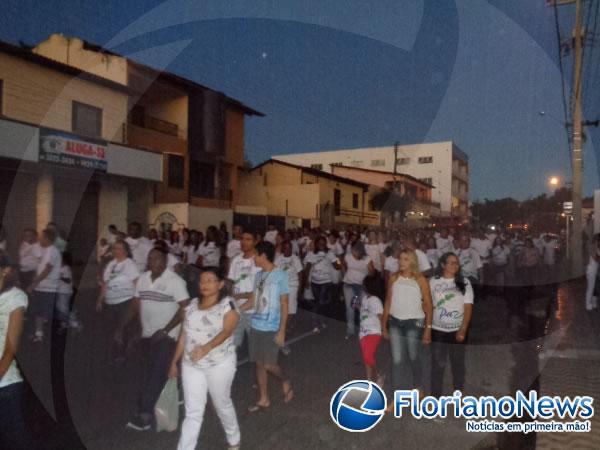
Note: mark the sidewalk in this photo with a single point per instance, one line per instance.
(573, 368)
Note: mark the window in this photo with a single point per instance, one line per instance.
(337, 201)
(425, 159)
(402, 161)
(202, 179)
(356, 163)
(176, 166)
(87, 120)
(426, 180)
(377, 162)
(355, 201)
(337, 164)
(316, 166)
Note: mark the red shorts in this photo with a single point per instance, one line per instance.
(368, 346)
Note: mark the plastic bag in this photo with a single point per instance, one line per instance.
(166, 410)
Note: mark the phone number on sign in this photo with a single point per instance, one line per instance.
(75, 162)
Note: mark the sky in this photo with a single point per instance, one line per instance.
(333, 75)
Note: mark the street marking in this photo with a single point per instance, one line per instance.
(572, 353)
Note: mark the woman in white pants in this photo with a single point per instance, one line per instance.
(208, 360)
(591, 301)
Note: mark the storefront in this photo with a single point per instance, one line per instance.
(81, 184)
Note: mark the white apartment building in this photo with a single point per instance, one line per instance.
(441, 164)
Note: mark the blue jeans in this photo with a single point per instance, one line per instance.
(405, 343)
(13, 432)
(350, 290)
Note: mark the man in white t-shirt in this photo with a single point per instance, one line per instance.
(30, 254)
(159, 302)
(44, 287)
(242, 271)
(470, 263)
(271, 234)
(424, 263)
(234, 246)
(139, 245)
(444, 242)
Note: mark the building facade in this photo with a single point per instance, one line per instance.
(289, 195)
(198, 132)
(416, 191)
(441, 164)
(63, 157)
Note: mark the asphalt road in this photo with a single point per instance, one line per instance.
(77, 401)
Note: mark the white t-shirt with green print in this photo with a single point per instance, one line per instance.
(241, 273)
(449, 303)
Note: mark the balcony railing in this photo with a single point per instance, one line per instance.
(152, 139)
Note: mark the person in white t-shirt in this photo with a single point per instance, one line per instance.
(319, 267)
(209, 252)
(373, 249)
(117, 289)
(369, 334)
(30, 254)
(483, 247)
(390, 265)
(139, 245)
(291, 264)
(44, 287)
(242, 272)
(424, 264)
(159, 303)
(500, 259)
(433, 253)
(444, 242)
(234, 246)
(208, 360)
(357, 265)
(452, 296)
(470, 262)
(271, 234)
(66, 315)
(13, 302)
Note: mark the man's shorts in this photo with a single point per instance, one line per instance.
(262, 347)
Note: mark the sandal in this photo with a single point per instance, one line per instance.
(288, 394)
(258, 407)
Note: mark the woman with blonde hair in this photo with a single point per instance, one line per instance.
(407, 316)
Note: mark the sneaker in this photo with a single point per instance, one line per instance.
(138, 424)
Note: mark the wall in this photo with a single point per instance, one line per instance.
(42, 96)
(112, 205)
(69, 50)
(201, 218)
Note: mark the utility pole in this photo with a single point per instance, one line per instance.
(577, 156)
(576, 238)
(396, 145)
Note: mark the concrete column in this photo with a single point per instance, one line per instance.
(112, 206)
(45, 198)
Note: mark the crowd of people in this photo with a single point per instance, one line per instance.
(191, 299)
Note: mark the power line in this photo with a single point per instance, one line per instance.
(562, 80)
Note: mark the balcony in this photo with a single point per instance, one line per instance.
(162, 138)
(213, 198)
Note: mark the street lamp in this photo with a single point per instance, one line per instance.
(554, 181)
